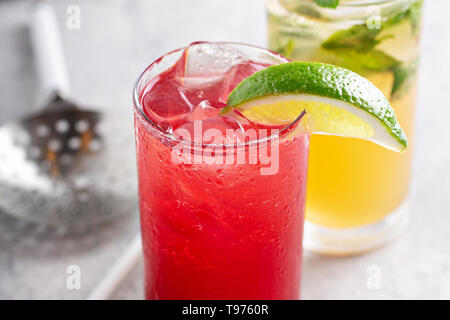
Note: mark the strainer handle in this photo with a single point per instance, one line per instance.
(48, 51)
(118, 272)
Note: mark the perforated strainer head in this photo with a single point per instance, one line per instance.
(67, 168)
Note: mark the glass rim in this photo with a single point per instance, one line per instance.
(357, 3)
(362, 3)
(171, 137)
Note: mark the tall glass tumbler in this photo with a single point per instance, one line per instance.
(357, 191)
(216, 229)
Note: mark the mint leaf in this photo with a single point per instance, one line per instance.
(305, 9)
(287, 49)
(363, 61)
(415, 13)
(404, 77)
(327, 3)
(355, 48)
(361, 38)
(358, 37)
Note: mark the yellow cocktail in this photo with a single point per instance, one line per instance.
(352, 204)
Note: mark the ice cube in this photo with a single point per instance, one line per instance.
(236, 74)
(209, 59)
(178, 70)
(206, 109)
(197, 86)
(198, 89)
(166, 102)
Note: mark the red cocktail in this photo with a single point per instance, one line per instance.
(221, 198)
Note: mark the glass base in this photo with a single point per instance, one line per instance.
(347, 241)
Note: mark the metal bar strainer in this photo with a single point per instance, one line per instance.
(65, 168)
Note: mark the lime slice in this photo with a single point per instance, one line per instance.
(337, 101)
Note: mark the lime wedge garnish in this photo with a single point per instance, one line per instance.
(337, 101)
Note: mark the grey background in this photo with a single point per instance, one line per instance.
(117, 39)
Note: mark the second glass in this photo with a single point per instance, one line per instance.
(357, 191)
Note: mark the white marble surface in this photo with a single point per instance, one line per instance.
(117, 39)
